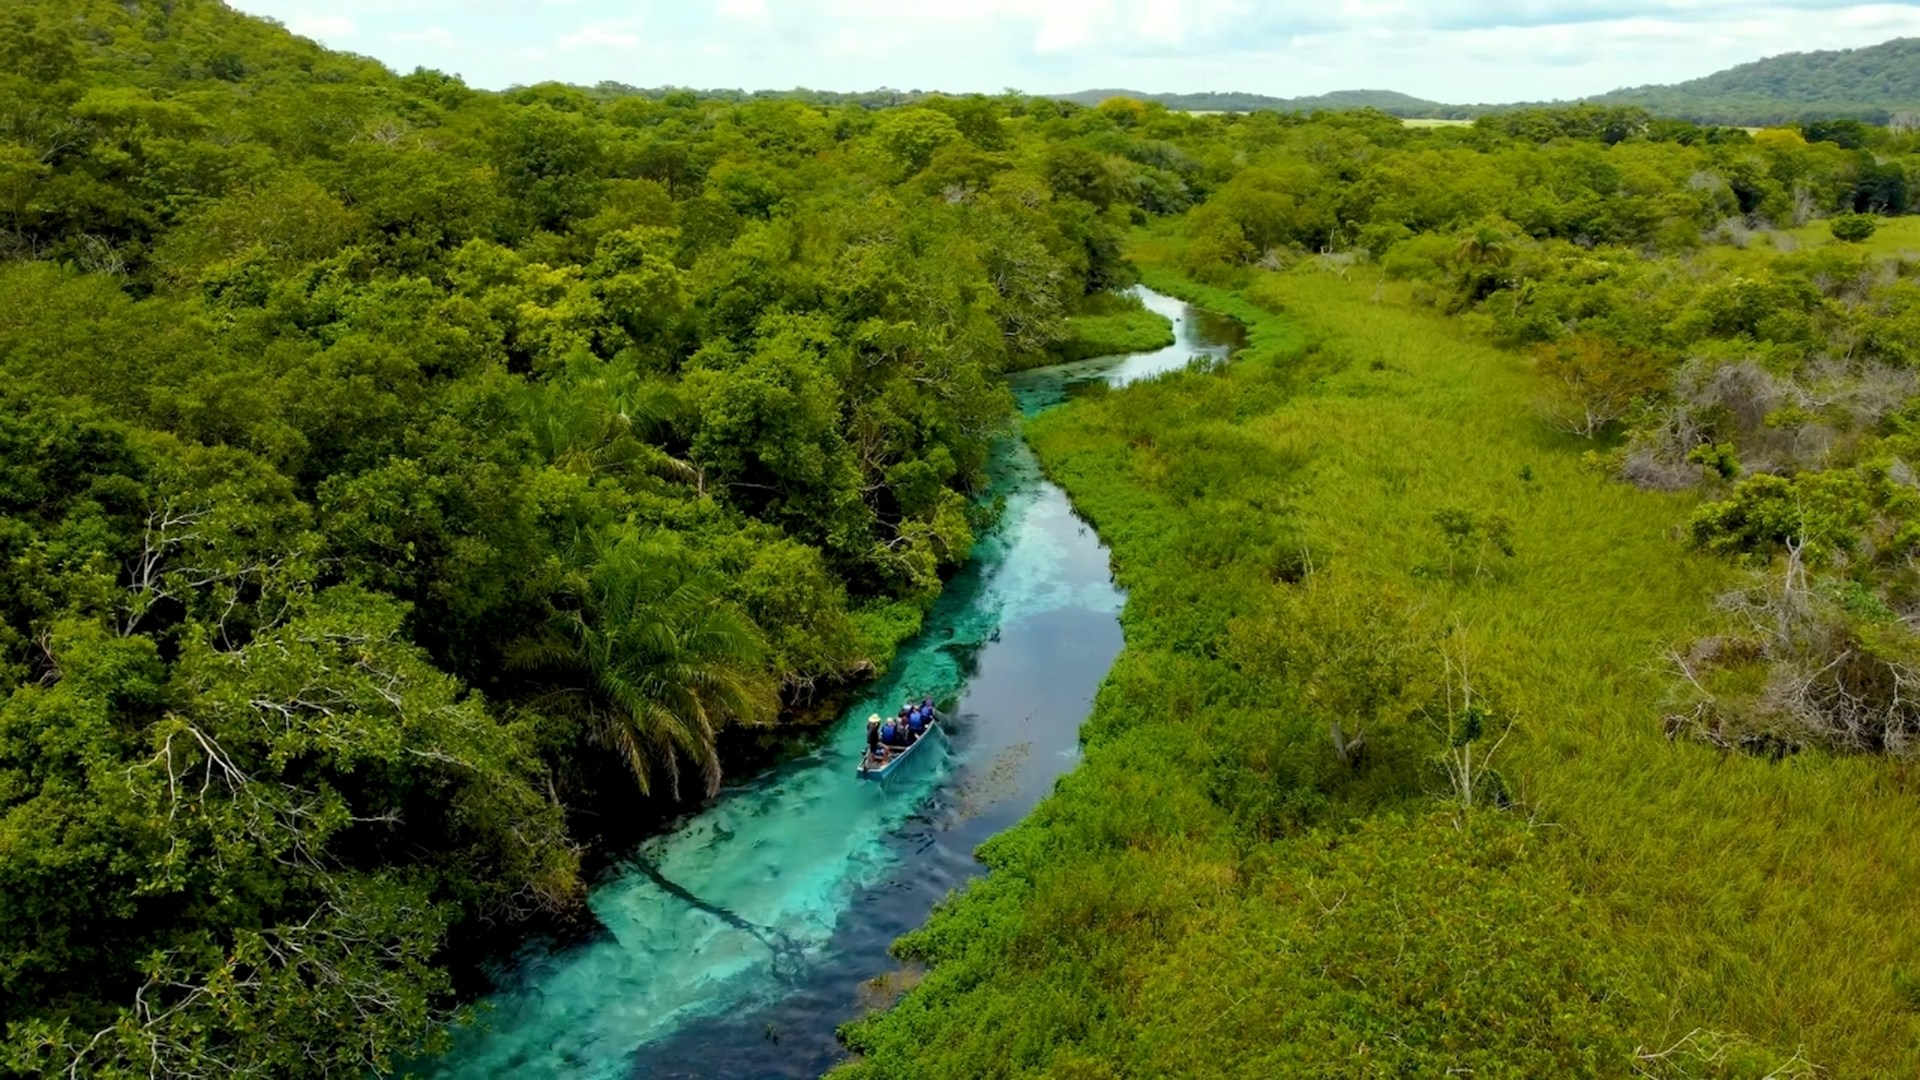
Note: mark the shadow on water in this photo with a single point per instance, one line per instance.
(736, 943)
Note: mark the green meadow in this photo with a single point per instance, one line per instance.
(1894, 237)
(1216, 893)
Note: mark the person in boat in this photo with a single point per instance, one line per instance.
(873, 733)
(917, 723)
(889, 732)
(926, 705)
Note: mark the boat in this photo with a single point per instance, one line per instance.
(869, 770)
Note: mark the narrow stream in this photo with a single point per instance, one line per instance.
(734, 945)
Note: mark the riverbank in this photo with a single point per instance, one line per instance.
(1358, 522)
(1111, 324)
(741, 937)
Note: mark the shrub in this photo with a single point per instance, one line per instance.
(1853, 228)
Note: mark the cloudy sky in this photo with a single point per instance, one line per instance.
(1450, 50)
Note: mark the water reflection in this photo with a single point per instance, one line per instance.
(1198, 335)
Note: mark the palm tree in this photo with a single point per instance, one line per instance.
(604, 424)
(1487, 245)
(1483, 254)
(647, 653)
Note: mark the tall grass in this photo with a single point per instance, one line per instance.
(1217, 892)
(1774, 898)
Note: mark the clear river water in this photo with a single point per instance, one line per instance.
(734, 944)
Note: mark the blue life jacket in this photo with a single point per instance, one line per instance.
(887, 732)
(918, 721)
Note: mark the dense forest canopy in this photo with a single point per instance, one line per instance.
(1879, 83)
(400, 477)
(398, 473)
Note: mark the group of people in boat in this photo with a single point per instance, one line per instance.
(888, 737)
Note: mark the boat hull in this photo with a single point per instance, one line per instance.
(899, 756)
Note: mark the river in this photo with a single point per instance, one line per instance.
(734, 944)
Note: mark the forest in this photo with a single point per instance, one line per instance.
(412, 492)
(409, 486)
(1877, 83)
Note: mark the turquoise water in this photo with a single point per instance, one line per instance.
(734, 944)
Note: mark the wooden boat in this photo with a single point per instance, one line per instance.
(870, 770)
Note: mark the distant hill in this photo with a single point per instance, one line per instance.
(1388, 101)
(1877, 84)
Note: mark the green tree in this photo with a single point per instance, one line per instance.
(1598, 381)
(1853, 228)
(549, 163)
(910, 137)
(642, 650)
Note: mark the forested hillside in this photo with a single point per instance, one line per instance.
(1879, 84)
(1387, 101)
(1876, 84)
(404, 484)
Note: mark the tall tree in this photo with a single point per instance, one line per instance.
(643, 650)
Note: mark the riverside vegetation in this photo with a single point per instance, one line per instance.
(1518, 634)
(401, 480)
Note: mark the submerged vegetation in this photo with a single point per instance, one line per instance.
(400, 477)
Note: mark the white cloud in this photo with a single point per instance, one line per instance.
(610, 35)
(322, 27)
(430, 35)
(743, 10)
(1066, 25)
(1452, 50)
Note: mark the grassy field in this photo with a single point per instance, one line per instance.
(1435, 123)
(1770, 898)
(1899, 236)
(1185, 898)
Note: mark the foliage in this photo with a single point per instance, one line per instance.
(1853, 228)
(1234, 876)
(1873, 85)
(1112, 326)
(1599, 381)
(398, 474)
(651, 660)
(1870, 84)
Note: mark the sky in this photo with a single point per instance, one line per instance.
(1449, 50)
